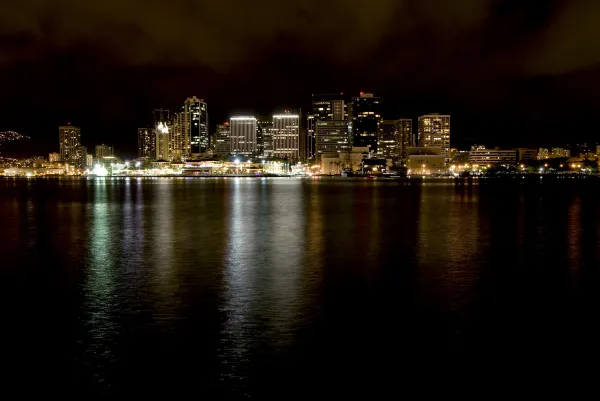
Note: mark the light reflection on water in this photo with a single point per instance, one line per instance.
(227, 284)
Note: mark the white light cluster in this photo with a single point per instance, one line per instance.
(243, 118)
(162, 128)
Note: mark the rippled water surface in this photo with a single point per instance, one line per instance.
(286, 287)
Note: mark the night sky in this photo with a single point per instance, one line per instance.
(510, 73)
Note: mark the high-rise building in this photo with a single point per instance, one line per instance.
(196, 119)
(189, 133)
(543, 154)
(286, 136)
(597, 150)
(82, 157)
(265, 127)
(366, 117)
(70, 141)
(179, 138)
(350, 109)
(387, 140)
(89, 160)
(146, 143)
(329, 107)
(103, 151)
(303, 142)
(311, 135)
(331, 136)
(243, 135)
(404, 136)
(260, 142)
(54, 157)
(223, 140)
(434, 131)
(163, 142)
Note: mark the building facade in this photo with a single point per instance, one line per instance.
(265, 128)
(404, 136)
(223, 140)
(243, 135)
(331, 136)
(103, 151)
(311, 135)
(286, 136)
(69, 144)
(434, 131)
(329, 107)
(492, 156)
(387, 140)
(558, 153)
(526, 154)
(163, 142)
(366, 117)
(146, 143)
(180, 147)
(195, 118)
(54, 157)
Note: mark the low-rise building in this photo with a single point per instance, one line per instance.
(559, 153)
(334, 163)
(493, 156)
(526, 154)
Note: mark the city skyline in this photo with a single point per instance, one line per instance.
(344, 104)
(522, 66)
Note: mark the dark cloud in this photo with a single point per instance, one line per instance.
(107, 63)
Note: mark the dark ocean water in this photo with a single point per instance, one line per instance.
(290, 288)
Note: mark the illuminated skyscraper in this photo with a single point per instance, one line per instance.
(331, 136)
(329, 107)
(434, 131)
(286, 136)
(179, 138)
(243, 135)
(366, 117)
(70, 141)
(223, 140)
(54, 157)
(146, 143)
(387, 145)
(189, 134)
(196, 119)
(404, 136)
(265, 128)
(324, 108)
(311, 133)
